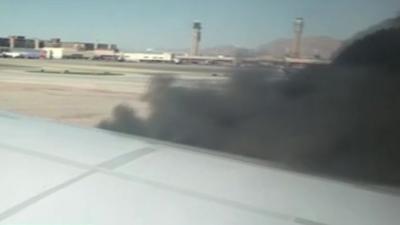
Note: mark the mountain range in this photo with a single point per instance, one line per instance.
(320, 46)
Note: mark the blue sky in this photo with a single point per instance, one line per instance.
(141, 24)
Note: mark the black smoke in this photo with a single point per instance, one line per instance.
(378, 49)
(341, 120)
(384, 25)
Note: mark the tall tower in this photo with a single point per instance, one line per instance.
(196, 38)
(37, 43)
(12, 42)
(298, 27)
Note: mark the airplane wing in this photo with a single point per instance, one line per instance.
(57, 174)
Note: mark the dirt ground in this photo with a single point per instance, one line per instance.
(81, 106)
(79, 99)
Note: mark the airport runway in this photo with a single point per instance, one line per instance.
(87, 99)
(122, 67)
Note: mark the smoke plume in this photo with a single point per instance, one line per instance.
(341, 120)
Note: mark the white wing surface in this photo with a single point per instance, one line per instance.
(58, 174)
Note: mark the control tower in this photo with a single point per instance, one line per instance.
(196, 38)
(298, 27)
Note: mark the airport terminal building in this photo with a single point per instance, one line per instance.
(56, 48)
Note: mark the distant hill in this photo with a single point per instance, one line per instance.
(228, 50)
(311, 46)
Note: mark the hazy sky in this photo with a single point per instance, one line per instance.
(141, 24)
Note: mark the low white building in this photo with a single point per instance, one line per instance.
(147, 57)
(66, 53)
(105, 54)
(53, 53)
(12, 54)
(22, 53)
